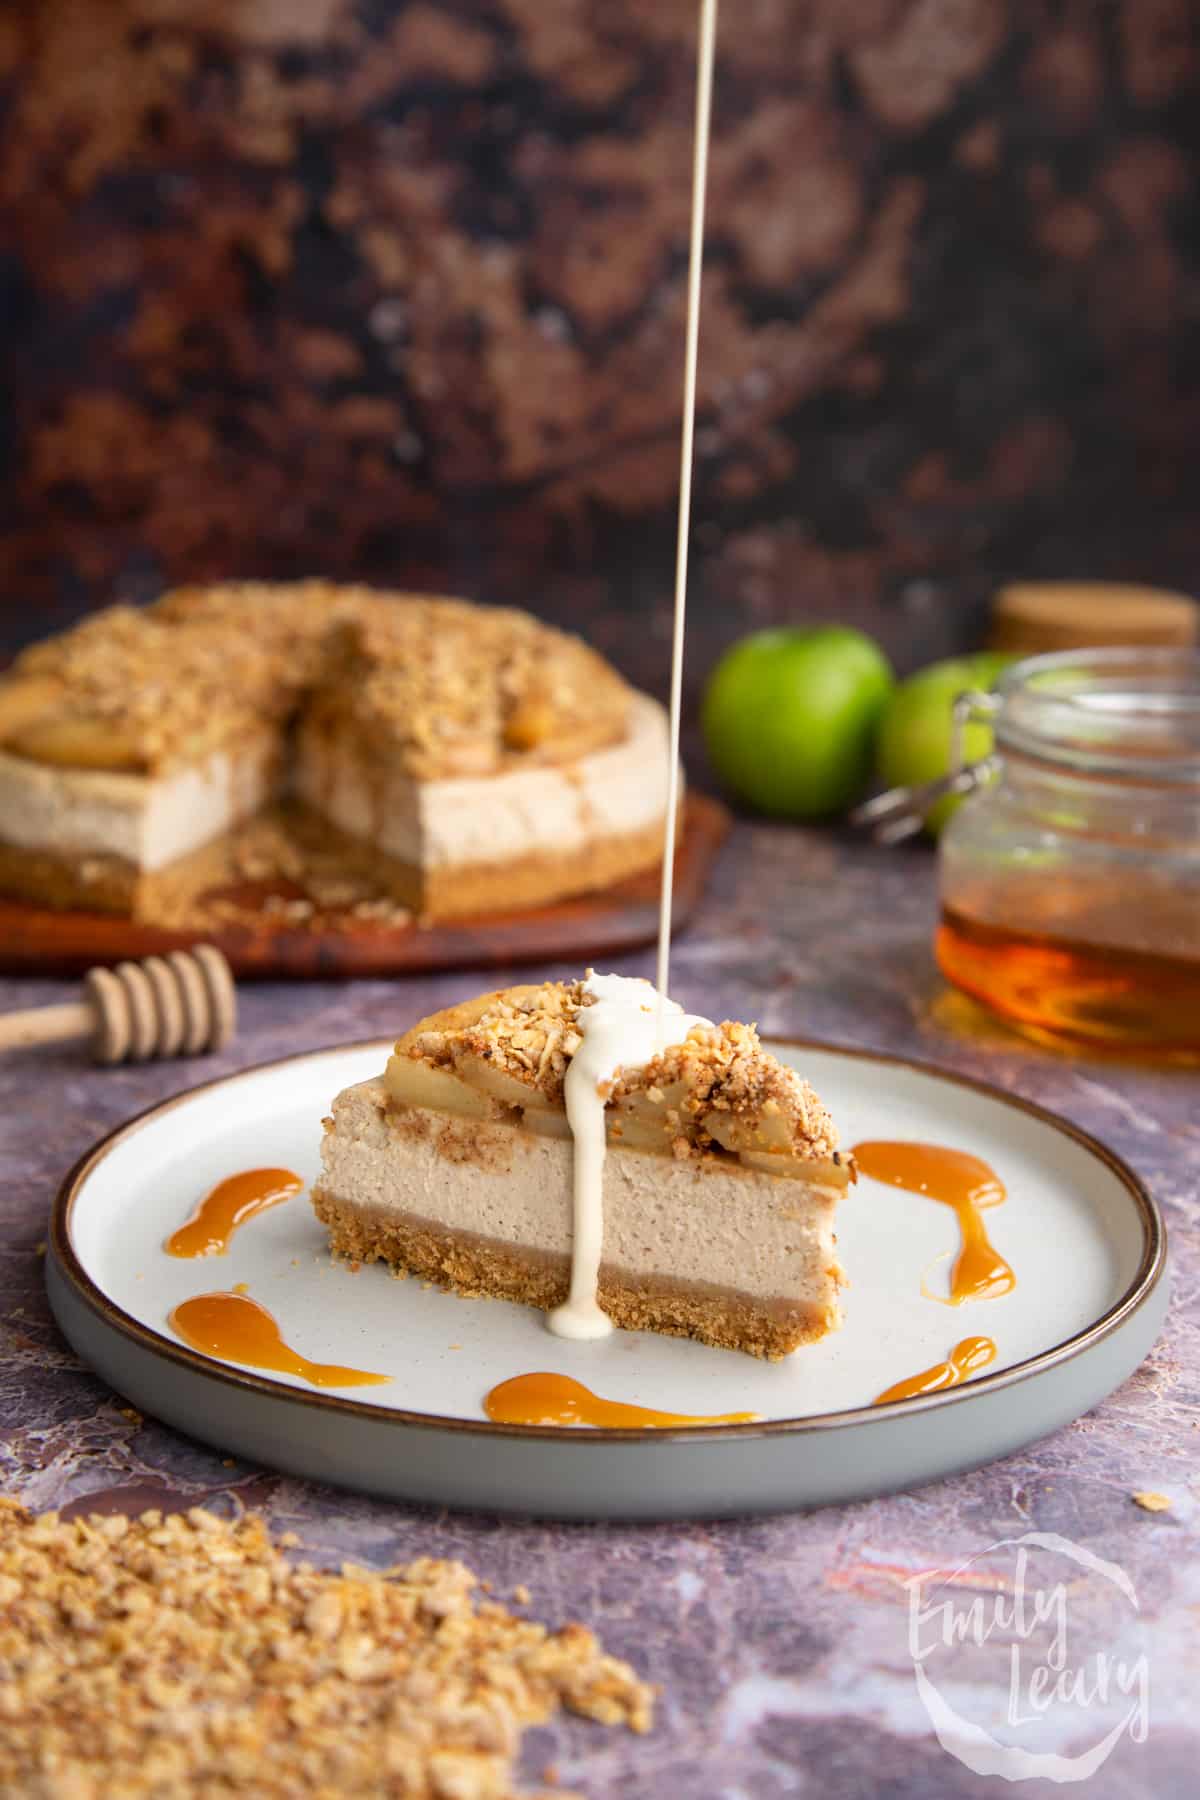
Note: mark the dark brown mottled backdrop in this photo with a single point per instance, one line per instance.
(395, 291)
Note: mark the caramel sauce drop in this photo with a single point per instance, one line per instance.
(230, 1205)
(962, 1182)
(237, 1329)
(545, 1399)
(966, 1359)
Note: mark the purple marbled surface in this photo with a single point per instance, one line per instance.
(781, 1644)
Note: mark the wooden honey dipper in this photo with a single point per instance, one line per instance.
(182, 1004)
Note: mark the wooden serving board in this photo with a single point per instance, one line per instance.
(260, 939)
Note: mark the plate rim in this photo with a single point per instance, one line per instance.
(1145, 1280)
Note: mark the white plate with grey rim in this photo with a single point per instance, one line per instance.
(1084, 1237)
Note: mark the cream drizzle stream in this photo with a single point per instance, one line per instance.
(704, 80)
(629, 1020)
(626, 1022)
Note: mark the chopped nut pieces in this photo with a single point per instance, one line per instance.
(184, 1656)
(442, 687)
(282, 846)
(721, 1085)
(527, 1033)
(125, 691)
(718, 1090)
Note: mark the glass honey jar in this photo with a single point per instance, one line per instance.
(1070, 879)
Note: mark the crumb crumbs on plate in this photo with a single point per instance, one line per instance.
(186, 1654)
(1152, 1502)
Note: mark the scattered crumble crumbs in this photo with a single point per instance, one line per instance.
(1152, 1502)
(521, 1594)
(186, 1655)
(242, 1287)
(281, 848)
(132, 1414)
(39, 1249)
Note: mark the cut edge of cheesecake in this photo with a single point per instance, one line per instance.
(464, 759)
(721, 1177)
(521, 836)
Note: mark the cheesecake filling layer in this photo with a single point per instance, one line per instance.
(145, 820)
(703, 1224)
(479, 821)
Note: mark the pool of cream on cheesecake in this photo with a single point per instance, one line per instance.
(627, 1022)
(481, 820)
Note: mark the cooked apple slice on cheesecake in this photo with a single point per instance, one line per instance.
(590, 1149)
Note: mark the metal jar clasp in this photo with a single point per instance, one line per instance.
(901, 812)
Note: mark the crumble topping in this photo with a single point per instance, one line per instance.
(724, 1070)
(293, 618)
(188, 1655)
(445, 688)
(719, 1088)
(527, 1033)
(124, 691)
(440, 687)
(282, 607)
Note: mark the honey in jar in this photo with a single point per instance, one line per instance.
(1070, 884)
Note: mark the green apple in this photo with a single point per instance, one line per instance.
(789, 718)
(914, 732)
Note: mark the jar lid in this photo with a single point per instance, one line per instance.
(1033, 616)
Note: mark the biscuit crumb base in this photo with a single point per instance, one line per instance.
(284, 867)
(289, 867)
(476, 1267)
(187, 1655)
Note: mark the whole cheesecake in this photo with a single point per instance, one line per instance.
(468, 758)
